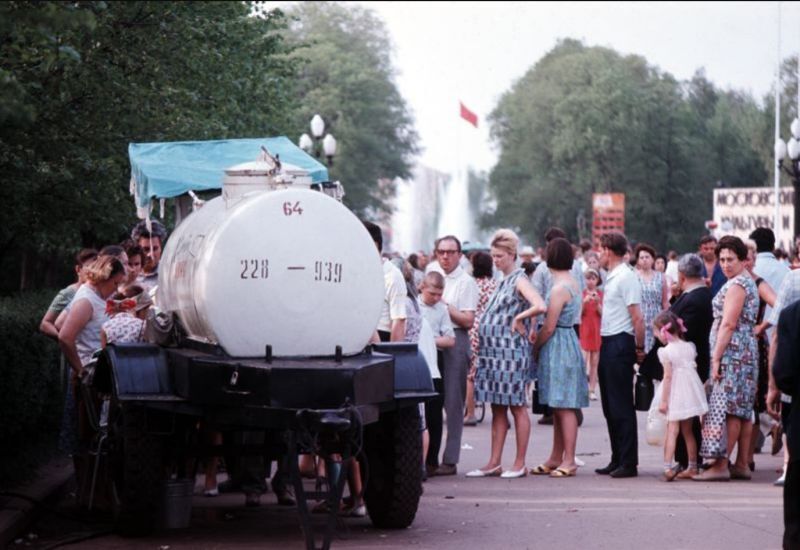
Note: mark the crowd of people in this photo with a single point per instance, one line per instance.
(569, 323)
(107, 304)
(573, 322)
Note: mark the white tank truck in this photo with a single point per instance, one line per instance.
(268, 297)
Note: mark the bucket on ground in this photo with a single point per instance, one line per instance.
(176, 503)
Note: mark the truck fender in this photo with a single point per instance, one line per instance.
(133, 371)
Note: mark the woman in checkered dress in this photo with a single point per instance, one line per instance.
(502, 374)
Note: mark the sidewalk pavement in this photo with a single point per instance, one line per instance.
(17, 514)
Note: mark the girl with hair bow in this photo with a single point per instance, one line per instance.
(128, 310)
(681, 394)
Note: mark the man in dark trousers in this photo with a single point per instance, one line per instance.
(693, 305)
(622, 333)
(786, 372)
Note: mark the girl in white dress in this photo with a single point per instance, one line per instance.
(681, 393)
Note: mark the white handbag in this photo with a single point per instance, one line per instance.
(656, 430)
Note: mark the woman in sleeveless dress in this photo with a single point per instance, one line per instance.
(79, 338)
(562, 379)
(503, 374)
(734, 367)
(655, 294)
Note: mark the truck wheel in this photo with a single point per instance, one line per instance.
(137, 469)
(393, 449)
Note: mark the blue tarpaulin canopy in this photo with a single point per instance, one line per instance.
(164, 170)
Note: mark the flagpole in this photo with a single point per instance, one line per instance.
(777, 184)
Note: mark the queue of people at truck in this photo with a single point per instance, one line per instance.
(569, 321)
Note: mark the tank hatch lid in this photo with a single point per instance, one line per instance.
(254, 168)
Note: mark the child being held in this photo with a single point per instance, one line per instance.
(128, 310)
(681, 393)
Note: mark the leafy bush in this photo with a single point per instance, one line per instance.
(31, 398)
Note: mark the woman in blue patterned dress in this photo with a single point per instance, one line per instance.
(734, 367)
(502, 374)
(562, 379)
(655, 293)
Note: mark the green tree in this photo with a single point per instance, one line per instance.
(587, 119)
(83, 79)
(347, 77)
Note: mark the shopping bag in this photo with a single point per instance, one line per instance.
(656, 430)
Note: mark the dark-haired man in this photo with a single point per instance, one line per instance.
(151, 240)
(712, 272)
(392, 323)
(767, 265)
(622, 332)
(65, 295)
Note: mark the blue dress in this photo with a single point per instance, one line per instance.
(503, 371)
(562, 379)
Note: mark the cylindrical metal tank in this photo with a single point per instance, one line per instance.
(291, 268)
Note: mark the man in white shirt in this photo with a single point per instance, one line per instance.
(622, 333)
(767, 265)
(461, 298)
(392, 323)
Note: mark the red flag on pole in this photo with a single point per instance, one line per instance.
(468, 115)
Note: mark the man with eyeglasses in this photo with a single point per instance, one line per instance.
(461, 298)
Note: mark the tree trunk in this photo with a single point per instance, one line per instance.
(24, 278)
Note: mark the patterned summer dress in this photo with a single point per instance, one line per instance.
(486, 287)
(651, 304)
(561, 375)
(504, 356)
(734, 394)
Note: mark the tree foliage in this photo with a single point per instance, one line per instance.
(80, 80)
(346, 76)
(587, 119)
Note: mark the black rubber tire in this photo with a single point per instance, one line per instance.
(393, 451)
(137, 463)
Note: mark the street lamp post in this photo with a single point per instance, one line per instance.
(788, 156)
(318, 145)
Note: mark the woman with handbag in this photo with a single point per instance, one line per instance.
(561, 374)
(734, 367)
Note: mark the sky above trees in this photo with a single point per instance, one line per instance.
(447, 51)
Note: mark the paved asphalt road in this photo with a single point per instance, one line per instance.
(584, 512)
